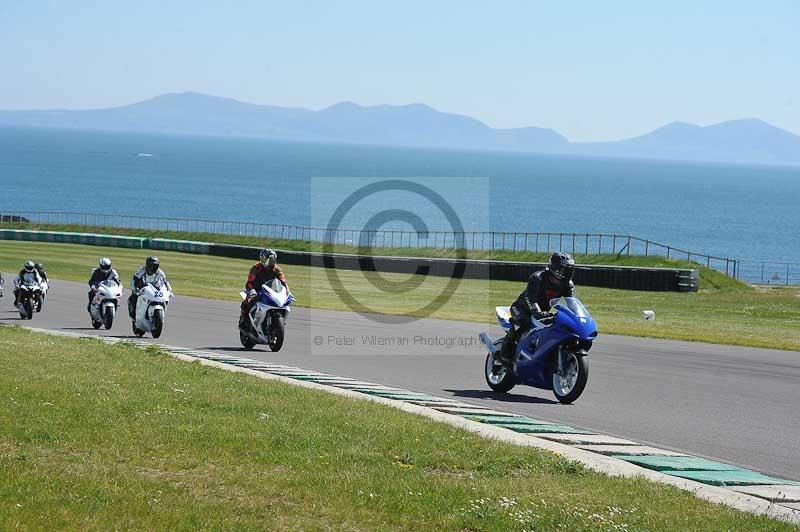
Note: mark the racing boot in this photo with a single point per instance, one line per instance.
(243, 315)
(505, 356)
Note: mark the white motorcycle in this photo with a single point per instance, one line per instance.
(104, 304)
(266, 321)
(151, 309)
(30, 295)
(44, 287)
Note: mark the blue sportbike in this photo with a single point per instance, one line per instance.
(266, 321)
(552, 355)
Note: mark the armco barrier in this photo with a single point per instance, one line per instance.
(182, 246)
(621, 277)
(88, 239)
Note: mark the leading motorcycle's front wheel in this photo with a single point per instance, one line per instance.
(158, 322)
(568, 386)
(500, 379)
(277, 330)
(108, 317)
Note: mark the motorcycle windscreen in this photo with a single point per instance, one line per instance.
(572, 304)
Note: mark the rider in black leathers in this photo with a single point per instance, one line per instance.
(27, 275)
(103, 272)
(43, 274)
(544, 285)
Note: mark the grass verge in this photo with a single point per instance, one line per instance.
(733, 315)
(105, 437)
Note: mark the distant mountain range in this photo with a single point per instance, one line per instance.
(746, 140)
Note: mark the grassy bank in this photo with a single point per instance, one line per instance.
(735, 314)
(112, 437)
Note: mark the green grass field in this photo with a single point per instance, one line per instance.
(734, 314)
(99, 437)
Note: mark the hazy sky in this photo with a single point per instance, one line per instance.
(591, 70)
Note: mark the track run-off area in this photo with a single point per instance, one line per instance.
(732, 404)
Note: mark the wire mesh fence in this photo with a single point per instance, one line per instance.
(769, 273)
(534, 242)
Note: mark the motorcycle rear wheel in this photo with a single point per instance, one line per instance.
(501, 380)
(246, 339)
(138, 332)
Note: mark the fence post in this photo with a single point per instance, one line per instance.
(629, 245)
(787, 274)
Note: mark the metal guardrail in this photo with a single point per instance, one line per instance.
(536, 242)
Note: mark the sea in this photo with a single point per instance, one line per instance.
(744, 212)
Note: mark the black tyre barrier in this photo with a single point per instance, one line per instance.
(621, 277)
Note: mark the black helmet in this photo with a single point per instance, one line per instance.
(105, 264)
(151, 265)
(562, 266)
(29, 266)
(268, 257)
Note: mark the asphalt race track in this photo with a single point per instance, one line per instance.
(737, 405)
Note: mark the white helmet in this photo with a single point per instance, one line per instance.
(268, 257)
(105, 264)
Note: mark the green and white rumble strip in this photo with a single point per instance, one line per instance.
(714, 481)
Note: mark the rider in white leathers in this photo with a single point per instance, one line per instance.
(149, 273)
